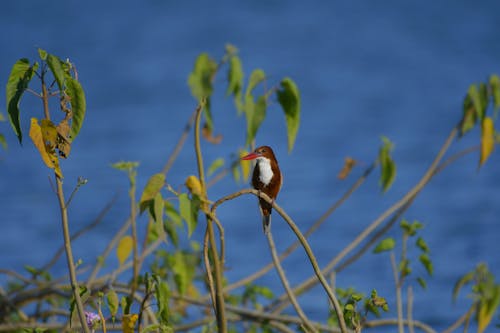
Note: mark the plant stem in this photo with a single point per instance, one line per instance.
(65, 226)
(286, 285)
(133, 213)
(69, 256)
(399, 302)
(219, 296)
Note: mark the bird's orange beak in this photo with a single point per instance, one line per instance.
(250, 156)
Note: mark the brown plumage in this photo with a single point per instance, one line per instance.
(267, 178)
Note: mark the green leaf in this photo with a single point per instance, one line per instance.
(256, 113)
(495, 90)
(200, 79)
(477, 101)
(422, 282)
(112, 299)
(469, 117)
(388, 167)
(78, 106)
(422, 245)
(153, 186)
(188, 209)
(180, 273)
(43, 54)
(19, 78)
(469, 277)
(57, 69)
(163, 298)
(385, 245)
(3, 142)
(404, 267)
(216, 165)
(172, 214)
(235, 77)
(256, 77)
(289, 98)
(171, 232)
(427, 263)
(124, 165)
(410, 229)
(125, 303)
(158, 208)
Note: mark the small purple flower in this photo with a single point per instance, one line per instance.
(92, 318)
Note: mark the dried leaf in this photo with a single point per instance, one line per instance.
(349, 163)
(207, 133)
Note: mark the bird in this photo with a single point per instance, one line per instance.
(266, 178)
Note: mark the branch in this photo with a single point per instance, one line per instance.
(286, 285)
(302, 240)
(219, 300)
(312, 229)
(410, 195)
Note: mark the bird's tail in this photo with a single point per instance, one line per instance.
(266, 223)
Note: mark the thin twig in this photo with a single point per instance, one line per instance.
(179, 145)
(409, 305)
(286, 285)
(399, 301)
(391, 322)
(302, 240)
(69, 256)
(80, 232)
(461, 321)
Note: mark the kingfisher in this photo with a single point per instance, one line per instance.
(267, 178)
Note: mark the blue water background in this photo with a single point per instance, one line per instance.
(398, 69)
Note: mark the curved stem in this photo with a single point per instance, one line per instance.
(309, 231)
(219, 299)
(310, 282)
(304, 244)
(286, 285)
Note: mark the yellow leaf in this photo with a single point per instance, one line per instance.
(48, 155)
(193, 184)
(124, 249)
(245, 165)
(483, 317)
(128, 322)
(49, 133)
(487, 139)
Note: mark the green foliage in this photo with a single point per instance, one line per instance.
(188, 209)
(113, 302)
(387, 165)
(485, 294)
(477, 102)
(386, 244)
(289, 98)
(172, 280)
(150, 192)
(254, 105)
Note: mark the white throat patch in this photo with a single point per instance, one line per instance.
(266, 173)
